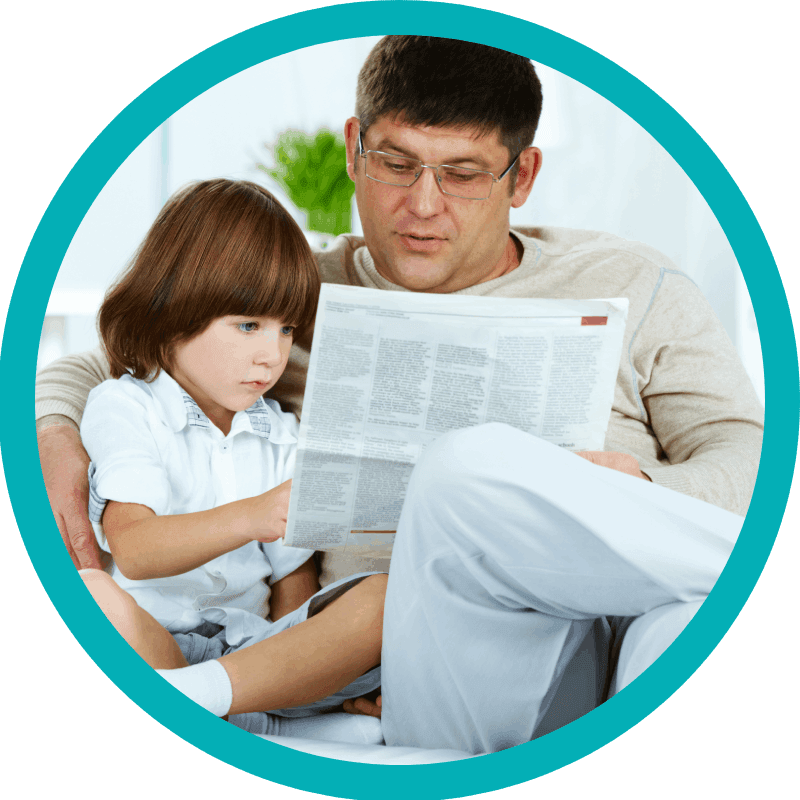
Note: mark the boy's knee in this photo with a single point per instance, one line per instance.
(374, 589)
(373, 597)
(114, 602)
(376, 584)
(97, 581)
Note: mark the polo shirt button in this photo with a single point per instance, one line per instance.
(224, 448)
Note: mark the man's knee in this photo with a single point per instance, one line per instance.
(468, 465)
(462, 455)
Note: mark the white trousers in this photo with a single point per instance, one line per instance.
(516, 563)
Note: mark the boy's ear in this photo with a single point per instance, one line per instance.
(351, 129)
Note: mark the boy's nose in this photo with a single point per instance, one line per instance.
(269, 352)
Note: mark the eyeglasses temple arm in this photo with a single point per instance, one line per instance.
(507, 169)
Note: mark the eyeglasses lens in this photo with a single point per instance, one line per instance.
(401, 171)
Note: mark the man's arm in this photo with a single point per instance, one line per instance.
(64, 469)
(61, 392)
(697, 399)
(63, 387)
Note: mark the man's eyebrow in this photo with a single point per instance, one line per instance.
(481, 162)
(386, 144)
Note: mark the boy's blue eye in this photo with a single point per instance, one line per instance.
(248, 327)
(287, 330)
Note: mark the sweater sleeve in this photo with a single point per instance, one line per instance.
(63, 387)
(698, 399)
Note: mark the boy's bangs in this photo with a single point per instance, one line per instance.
(283, 286)
(218, 248)
(291, 299)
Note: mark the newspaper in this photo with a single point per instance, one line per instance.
(391, 371)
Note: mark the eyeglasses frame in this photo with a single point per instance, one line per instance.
(435, 168)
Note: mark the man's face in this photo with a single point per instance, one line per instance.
(421, 238)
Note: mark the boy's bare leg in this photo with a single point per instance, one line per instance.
(151, 640)
(313, 659)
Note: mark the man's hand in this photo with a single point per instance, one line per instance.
(621, 462)
(363, 705)
(270, 513)
(64, 467)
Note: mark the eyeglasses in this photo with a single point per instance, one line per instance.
(469, 184)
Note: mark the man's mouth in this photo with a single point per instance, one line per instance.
(421, 243)
(418, 234)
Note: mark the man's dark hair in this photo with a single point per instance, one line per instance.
(431, 81)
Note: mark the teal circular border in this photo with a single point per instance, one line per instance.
(345, 779)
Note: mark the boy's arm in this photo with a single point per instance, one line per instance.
(147, 546)
(61, 392)
(291, 591)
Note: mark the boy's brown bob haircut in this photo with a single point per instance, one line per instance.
(218, 248)
(431, 81)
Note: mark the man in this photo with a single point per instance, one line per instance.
(511, 555)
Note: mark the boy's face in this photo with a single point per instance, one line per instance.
(228, 366)
(421, 238)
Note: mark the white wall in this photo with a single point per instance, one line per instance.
(601, 171)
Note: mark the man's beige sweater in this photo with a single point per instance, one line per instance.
(683, 405)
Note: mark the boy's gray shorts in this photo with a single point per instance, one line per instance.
(207, 642)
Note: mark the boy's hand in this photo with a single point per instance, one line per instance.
(272, 509)
(365, 706)
(64, 467)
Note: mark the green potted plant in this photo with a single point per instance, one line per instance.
(311, 168)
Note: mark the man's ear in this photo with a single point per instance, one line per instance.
(351, 129)
(530, 162)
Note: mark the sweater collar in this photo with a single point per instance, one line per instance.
(370, 277)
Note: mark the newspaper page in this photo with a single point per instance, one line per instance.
(391, 371)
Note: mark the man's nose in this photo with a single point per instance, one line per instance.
(425, 198)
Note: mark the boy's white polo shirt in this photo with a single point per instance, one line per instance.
(151, 444)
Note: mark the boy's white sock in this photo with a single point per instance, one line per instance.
(207, 684)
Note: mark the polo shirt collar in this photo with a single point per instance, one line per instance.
(268, 411)
(263, 418)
